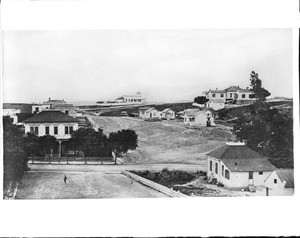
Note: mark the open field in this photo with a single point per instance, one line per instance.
(166, 141)
(80, 185)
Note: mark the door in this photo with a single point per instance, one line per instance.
(251, 182)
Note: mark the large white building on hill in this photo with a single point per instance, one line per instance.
(131, 99)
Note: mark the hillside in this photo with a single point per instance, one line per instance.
(25, 107)
(174, 106)
(166, 141)
(233, 112)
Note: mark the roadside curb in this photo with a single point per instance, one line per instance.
(156, 186)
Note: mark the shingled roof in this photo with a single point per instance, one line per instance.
(240, 158)
(50, 117)
(286, 175)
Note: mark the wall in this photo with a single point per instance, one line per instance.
(270, 182)
(61, 129)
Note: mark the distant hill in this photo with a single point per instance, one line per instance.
(25, 107)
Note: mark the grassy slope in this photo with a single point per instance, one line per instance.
(167, 141)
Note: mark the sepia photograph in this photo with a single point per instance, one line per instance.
(94, 114)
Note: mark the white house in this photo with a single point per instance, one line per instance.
(233, 93)
(215, 104)
(149, 113)
(196, 117)
(237, 166)
(52, 122)
(168, 114)
(131, 99)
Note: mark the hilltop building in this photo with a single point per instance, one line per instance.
(233, 94)
(17, 111)
(131, 99)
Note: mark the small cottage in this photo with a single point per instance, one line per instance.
(149, 113)
(168, 114)
(196, 117)
(280, 182)
(237, 166)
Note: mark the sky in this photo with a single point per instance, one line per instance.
(164, 65)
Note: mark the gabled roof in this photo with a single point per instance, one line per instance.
(50, 116)
(120, 98)
(217, 91)
(239, 158)
(151, 109)
(191, 112)
(55, 102)
(245, 91)
(286, 175)
(167, 109)
(232, 89)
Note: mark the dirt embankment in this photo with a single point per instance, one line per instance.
(166, 141)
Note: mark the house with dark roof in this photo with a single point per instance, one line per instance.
(237, 166)
(51, 122)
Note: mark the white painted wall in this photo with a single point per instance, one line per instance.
(61, 129)
(215, 106)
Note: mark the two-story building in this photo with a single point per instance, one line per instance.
(52, 122)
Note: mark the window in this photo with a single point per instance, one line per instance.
(243, 95)
(71, 129)
(210, 165)
(32, 129)
(36, 130)
(67, 112)
(260, 173)
(213, 95)
(55, 130)
(47, 130)
(216, 168)
(222, 170)
(230, 95)
(222, 95)
(227, 174)
(66, 130)
(192, 119)
(250, 175)
(275, 180)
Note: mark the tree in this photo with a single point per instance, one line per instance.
(14, 156)
(91, 142)
(122, 141)
(259, 92)
(266, 129)
(32, 145)
(47, 144)
(201, 100)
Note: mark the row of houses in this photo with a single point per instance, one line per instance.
(152, 113)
